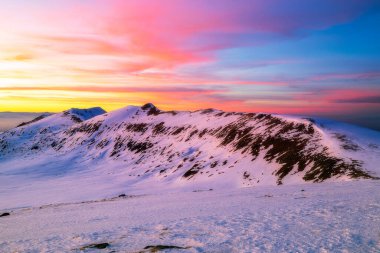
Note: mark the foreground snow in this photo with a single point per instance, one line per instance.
(327, 217)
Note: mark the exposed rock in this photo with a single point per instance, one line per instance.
(5, 214)
(96, 246)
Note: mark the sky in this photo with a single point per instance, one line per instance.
(315, 57)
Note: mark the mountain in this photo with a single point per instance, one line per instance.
(144, 150)
(20, 140)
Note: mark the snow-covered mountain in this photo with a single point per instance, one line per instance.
(18, 140)
(144, 149)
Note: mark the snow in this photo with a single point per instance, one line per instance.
(72, 171)
(60, 182)
(327, 217)
(367, 141)
(85, 114)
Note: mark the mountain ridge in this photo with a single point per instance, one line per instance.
(144, 148)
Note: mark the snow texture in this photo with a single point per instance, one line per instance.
(327, 217)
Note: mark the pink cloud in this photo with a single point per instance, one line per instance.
(345, 99)
(346, 76)
(340, 95)
(169, 33)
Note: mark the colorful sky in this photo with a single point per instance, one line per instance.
(315, 57)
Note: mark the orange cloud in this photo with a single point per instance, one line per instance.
(20, 57)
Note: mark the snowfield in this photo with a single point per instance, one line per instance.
(327, 217)
(144, 180)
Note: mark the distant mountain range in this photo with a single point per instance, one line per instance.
(144, 148)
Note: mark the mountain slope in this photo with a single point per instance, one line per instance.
(143, 149)
(18, 140)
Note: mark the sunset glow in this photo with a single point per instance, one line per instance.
(307, 57)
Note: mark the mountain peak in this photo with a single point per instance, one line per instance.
(148, 106)
(151, 108)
